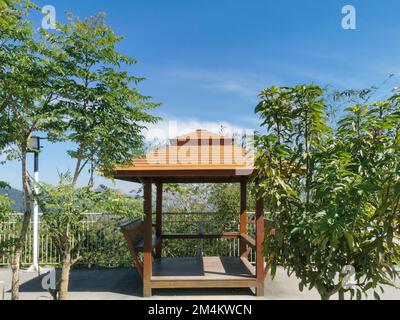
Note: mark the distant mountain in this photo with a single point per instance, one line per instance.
(132, 194)
(16, 196)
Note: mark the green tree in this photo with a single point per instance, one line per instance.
(104, 112)
(370, 134)
(65, 210)
(26, 93)
(225, 198)
(5, 209)
(318, 192)
(113, 208)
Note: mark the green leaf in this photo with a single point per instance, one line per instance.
(368, 187)
(349, 240)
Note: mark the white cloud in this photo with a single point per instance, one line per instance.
(244, 84)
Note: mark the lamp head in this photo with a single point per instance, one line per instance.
(34, 144)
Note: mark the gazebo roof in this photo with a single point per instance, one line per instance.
(199, 156)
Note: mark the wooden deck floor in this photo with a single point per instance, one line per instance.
(202, 268)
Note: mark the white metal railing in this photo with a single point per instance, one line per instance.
(111, 242)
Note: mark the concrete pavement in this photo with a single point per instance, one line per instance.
(125, 284)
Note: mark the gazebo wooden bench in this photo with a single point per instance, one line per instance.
(198, 157)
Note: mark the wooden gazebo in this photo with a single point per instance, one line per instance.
(198, 157)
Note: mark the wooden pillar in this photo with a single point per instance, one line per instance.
(243, 217)
(159, 219)
(259, 246)
(147, 237)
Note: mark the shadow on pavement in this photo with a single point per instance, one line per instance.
(124, 281)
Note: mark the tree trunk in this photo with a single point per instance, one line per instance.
(19, 245)
(341, 294)
(78, 166)
(340, 284)
(64, 280)
(326, 295)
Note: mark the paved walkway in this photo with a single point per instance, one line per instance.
(124, 284)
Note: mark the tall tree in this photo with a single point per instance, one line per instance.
(25, 95)
(104, 112)
(65, 211)
(332, 194)
(13, 28)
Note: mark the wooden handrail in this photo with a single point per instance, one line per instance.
(127, 224)
(224, 235)
(250, 213)
(248, 239)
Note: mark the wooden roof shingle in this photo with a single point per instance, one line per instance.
(197, 156)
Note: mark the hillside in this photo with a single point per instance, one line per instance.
(16, 196)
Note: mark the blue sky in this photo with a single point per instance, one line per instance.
(205, 61)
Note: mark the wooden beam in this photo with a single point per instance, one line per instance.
(195, 172)
(159, 219)
(178, 282)
(147, 237)
(184, 176)
(224, 235)
(249, 266)
(200, 179)
(248, 240)
(259, 245)
(243, 252)
(133, 253)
